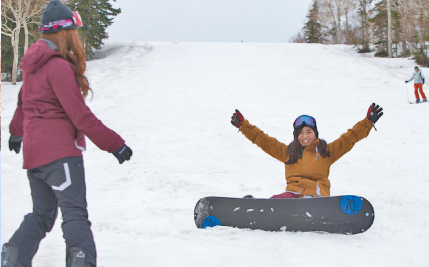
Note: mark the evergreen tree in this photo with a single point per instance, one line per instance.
(397, 31)
(379, 21)
(363, 12)
(313, 28)
(96, 15)
(6, 56)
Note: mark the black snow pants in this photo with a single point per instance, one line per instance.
(58, 184)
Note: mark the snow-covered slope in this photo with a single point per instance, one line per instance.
(172, 103)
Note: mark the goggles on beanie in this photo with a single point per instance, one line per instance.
(304, 119)
(77, 19)
(59, 24)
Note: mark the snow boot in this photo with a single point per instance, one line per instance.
(425, 100)
(76, 258)
(9, 256)
(249, 196)
(417, 101)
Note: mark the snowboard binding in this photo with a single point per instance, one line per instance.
(9, 256)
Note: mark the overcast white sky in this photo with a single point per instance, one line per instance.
(208, 20)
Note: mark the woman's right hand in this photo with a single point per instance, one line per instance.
(237, 119)
(123, 153)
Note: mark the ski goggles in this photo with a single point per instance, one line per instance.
(77, 19)
(65, 23)
(308, 120)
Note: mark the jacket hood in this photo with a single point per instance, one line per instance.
(37, 55)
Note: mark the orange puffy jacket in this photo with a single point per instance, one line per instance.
(308, 176)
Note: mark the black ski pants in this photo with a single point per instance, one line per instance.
(58, 184)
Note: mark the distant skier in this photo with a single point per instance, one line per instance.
(52, 120)
(307, 158)
(419, 80)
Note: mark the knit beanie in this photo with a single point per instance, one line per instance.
(56, 17)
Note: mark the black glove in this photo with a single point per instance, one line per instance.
(123, 153)
(237, 119)
(374, 113)
(407, 81)
(15, 143)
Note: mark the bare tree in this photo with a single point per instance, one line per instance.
(408, 11)
(331, 12)
(16, 14)
(404, 8)
(389, 29)
(349, 5)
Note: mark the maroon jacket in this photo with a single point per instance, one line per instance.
(51, 115)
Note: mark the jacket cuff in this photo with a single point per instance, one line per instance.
(244, 125)
(15, 139)
(370, 123)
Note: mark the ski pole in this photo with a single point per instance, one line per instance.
(406, 89)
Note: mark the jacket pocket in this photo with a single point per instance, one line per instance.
(294, 185)
(58, 175)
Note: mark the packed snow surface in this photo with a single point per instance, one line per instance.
(172, 103)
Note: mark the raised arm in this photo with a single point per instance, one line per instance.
(359, 131)
(270, 145)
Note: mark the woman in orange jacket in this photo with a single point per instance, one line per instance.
(307, 158)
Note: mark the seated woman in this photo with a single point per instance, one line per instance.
(307, 158)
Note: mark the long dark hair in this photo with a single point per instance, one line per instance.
(295, 150)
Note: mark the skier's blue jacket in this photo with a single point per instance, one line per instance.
(418, 77)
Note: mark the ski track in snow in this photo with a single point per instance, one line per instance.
(172, 103)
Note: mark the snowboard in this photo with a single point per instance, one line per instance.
(347, 214)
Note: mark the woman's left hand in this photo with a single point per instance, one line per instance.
(374, 113)
(123, 153)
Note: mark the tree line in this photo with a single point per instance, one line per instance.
(20, 20)
(393, 28)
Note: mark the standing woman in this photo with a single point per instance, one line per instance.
(419, 80)
(52, 121)
(307, 158)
